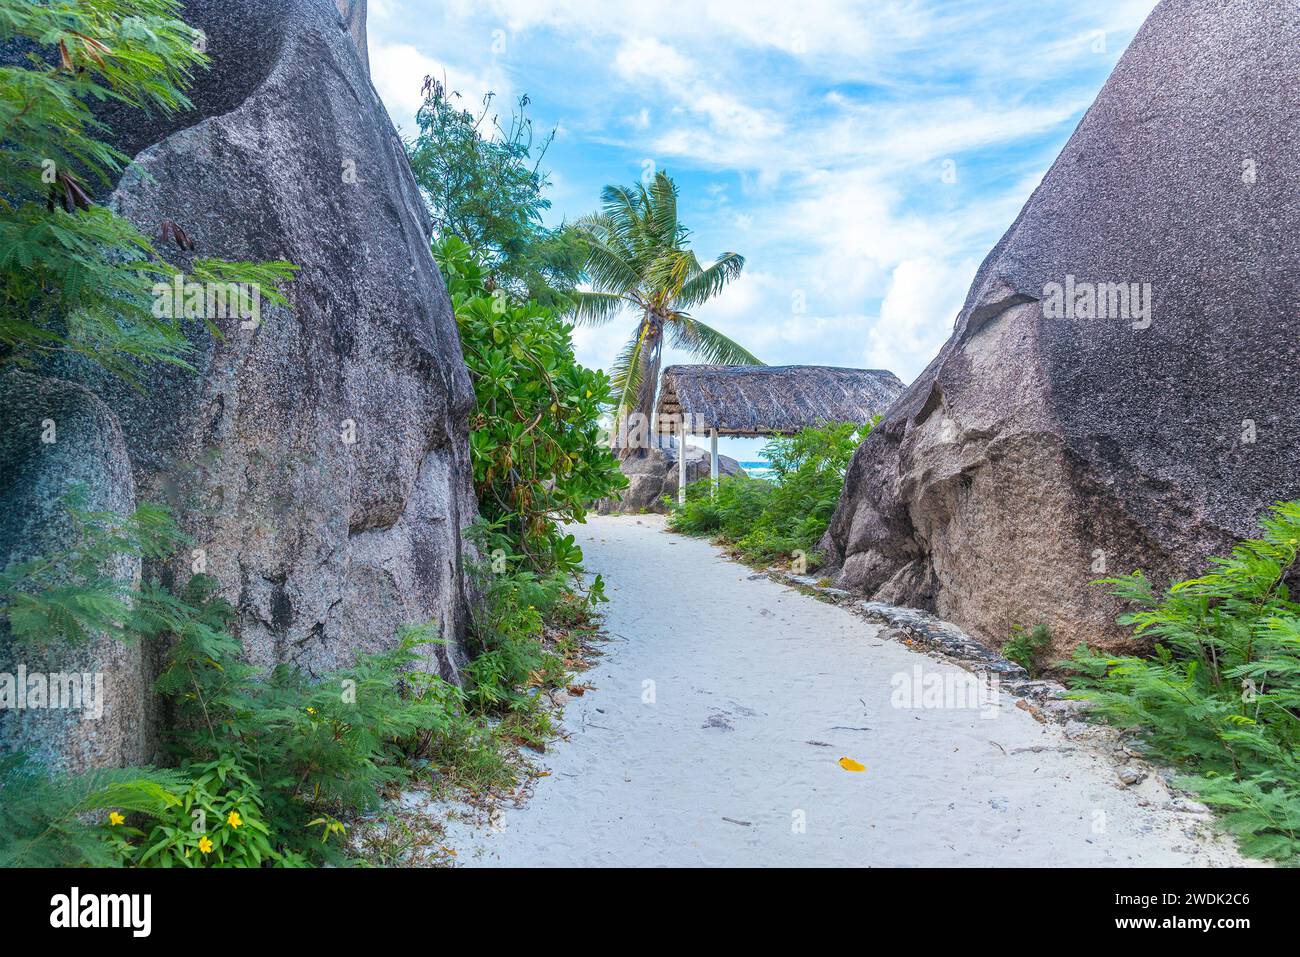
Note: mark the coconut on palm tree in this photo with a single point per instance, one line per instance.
(639, 261)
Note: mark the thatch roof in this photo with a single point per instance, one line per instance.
(772, 400)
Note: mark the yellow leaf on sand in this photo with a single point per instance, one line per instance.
(848, 764)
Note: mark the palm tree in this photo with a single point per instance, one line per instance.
(638, 260)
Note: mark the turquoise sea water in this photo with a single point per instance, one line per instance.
(757, 469)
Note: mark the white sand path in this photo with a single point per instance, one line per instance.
(758, 691)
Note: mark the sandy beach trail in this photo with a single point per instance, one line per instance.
(719, 715)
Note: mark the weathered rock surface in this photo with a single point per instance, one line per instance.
(319, 458)
(353, 13)
(55, 435)
(1036, 453)
(653, 473)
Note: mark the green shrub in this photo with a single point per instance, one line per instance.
(73, 820)
(76, 278)
(769, 521)
(1219, 695)
(269, 765)
(218, 820)
(513, 663)
(1026, 648)
(738, 505)
(66, 595)
(297, 752)
(535, 439)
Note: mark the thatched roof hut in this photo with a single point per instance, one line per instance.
(771, 400)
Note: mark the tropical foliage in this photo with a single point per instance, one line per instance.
(782, 519)
(62, 820)
(273, 766)
(483, 184)
(535, 440)
(75, 278)
(639, 261)
(1028, 648)
(65, 596)
(1219, 693)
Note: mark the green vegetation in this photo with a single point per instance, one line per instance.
(271, 766)
(66, 597)
(535, 439)
(1218, 697)
(638, 259)
(783, 519)
(1026, 648)
(483, 184)
(512, 666)
(75, 278)
(63, 821)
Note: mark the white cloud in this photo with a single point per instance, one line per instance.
(596, 346)
(917, 313)
(645, 58)
(398, 71)
(647, 62)
(809, 137)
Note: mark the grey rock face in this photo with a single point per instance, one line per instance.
(353, 13)
(654, 474)
(54, 435)
(319, 458)
(1038, 452)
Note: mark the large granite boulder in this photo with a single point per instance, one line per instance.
(653, 473)
(319, 458)
(1044, 448)
(353, 13)
(55, 436)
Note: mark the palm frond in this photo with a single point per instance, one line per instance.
(597, 308)
(611, 265)
(621, 205)
(662, 209)
(707, 283)
(625, 375)
(670, 271)
(705, 342)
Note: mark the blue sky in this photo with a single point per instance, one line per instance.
(863, 156)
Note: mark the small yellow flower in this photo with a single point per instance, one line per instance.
(233, 819)
(311, 710)
(114, 819)
(205, 845)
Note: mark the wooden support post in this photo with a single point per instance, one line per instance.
(681, 464)
(713, 463)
